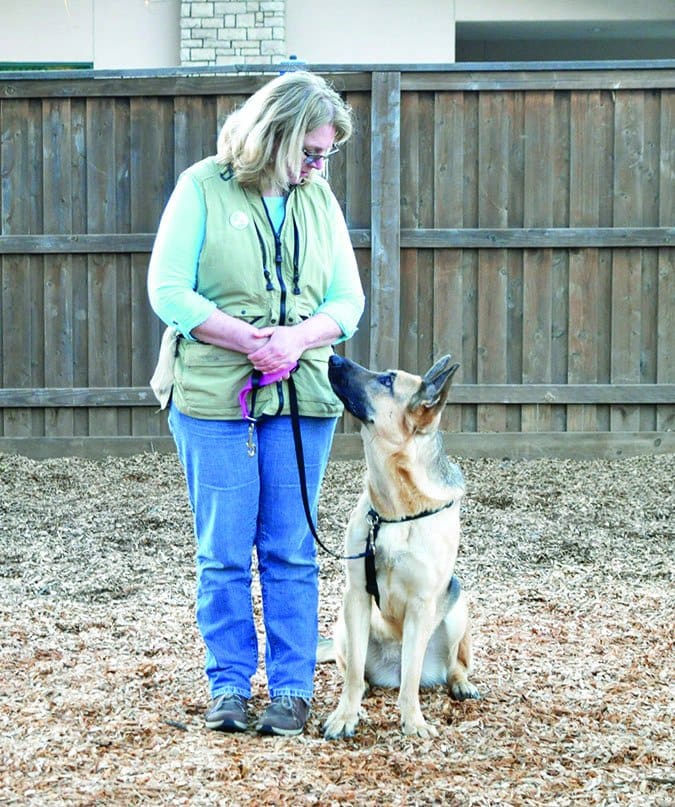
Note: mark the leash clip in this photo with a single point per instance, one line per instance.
(374, 521)
(250, 445)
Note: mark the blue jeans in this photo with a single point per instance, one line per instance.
(241, 502)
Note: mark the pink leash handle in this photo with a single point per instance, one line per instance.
(263, 381)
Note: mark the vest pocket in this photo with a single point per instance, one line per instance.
(311, 380)
(199, 354)
(254, 314)
(208, 380)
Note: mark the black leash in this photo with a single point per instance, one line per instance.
(300, 458)
(375, 520)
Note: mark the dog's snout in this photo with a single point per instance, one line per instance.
(336, 365)
(347, 378)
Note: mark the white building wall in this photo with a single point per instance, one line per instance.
(136, 33)
(119, 34)
(377, 31)
(39, 31)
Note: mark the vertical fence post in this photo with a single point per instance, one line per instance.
(385, 220)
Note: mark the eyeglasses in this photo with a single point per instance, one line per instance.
(314, 159)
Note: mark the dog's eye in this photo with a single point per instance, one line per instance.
(386, 380)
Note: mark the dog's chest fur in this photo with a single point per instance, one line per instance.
(415, 558)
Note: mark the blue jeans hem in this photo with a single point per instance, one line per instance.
(306, 695)
(230, 691)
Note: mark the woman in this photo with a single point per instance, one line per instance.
(253, 267)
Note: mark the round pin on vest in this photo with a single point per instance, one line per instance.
(239, 220)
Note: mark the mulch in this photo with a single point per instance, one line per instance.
(569, 567)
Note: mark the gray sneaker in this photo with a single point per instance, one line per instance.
(227, 713)
(285, 716)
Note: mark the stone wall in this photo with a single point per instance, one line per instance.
(220, 32)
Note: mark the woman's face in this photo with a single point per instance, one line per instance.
(317, 144)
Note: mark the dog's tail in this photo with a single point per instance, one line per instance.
(325, 650)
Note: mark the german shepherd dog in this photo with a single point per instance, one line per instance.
(414, 631)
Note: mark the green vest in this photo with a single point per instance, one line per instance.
(265, 280)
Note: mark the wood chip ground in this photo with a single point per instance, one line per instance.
(569, 566)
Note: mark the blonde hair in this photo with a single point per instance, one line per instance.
(262, 141)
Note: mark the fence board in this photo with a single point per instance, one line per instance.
(195, 129)
(664, 292)
(569, 445)
(385, 282)
(496, 110)
(58, 190)
(626, 333)
(21, 209)
(586, 177)
(606, 118)
(651, 201)
(563, 78)
(447, 293)
(409, 217)
(78, 263)
(561, 171)
(356, 204)
(538, 197)
(560, 287)
(514, 259)
(419, 238)
(513, 394)
(665, 367)
(153, 166)
(417, 209)
(470, 259)
(133, 84)
(102, 335)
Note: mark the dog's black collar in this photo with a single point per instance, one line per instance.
(375, 518)
(374, 521)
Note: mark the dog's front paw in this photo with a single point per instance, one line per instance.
(419, 727)
(463, 691)
(340, 724)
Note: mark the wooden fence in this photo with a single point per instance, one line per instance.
(522, 219)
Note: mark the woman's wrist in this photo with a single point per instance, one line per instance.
(222, 330)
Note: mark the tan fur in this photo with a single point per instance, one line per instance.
(413, 639)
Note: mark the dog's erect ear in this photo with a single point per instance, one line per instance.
(433, 390)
